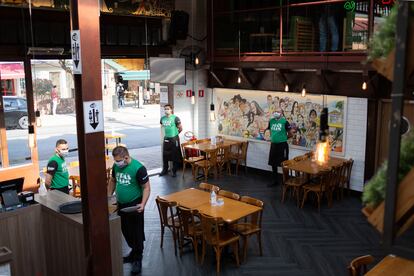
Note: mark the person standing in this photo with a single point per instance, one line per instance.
(54, 96)
(171, 125)
(120, 91)
(57, 175)
(279, 149)
(132, 187)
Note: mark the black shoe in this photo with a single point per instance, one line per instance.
(174, 174)
(136, 267)
(163, 173)
(129, 259)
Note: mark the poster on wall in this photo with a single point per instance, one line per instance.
(246, 113)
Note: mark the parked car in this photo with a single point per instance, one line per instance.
(15, 112)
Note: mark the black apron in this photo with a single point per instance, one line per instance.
(279, 152)
(171, 149)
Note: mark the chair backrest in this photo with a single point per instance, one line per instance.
(244, 147)
(211, 158)
(205, 140)
(183, 145)
(211, 228)
(300, 158)
(255, 218)
(74, 164)
(208, 187)
(165, 210)
(350, 164)
(358, 266)
(229, 194)
(286, 171)
(187, 219)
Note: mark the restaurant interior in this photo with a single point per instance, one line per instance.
(339, 199)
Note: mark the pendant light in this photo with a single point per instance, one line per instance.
(212, 112)
(192, 97)
(238, 77)
(364, 85)
(286, 87)
(303, 93)
(197, 61)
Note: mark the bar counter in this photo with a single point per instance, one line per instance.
(47, 242)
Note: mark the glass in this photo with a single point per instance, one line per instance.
(15, 113)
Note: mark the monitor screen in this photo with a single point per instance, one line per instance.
(13, 184)
(167, 70)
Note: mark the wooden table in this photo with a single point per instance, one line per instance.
(208, 147)
(312, 167)
(231, 211)
(113, 135)
(74, 171)
(393, 265)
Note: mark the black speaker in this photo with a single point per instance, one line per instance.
(179, 25)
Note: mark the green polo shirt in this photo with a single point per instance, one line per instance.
(129, 181)
(278, 130)
(170, 124)
(57, 168)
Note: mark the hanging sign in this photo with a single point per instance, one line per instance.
(76, 52)
(93, 116)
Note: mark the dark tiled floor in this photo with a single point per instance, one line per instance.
(295, 241)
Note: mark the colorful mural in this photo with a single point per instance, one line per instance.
(245, 113)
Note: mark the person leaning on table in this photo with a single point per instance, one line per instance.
(279, 149)
(171, 151)
(132, 187)
(57, 175)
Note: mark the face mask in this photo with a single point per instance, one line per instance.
(168, 112)
(121, 164)
(63, 153)
(277, 114)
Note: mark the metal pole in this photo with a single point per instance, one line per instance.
(397, 96)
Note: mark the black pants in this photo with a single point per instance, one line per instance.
(63, 190)
(279, 152)
(171, 152)
(132, 226)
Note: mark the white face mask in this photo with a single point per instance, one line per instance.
(277, 114)
(63, 153)
(168, 112)
(121, 164)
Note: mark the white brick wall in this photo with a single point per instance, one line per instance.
(356, 121)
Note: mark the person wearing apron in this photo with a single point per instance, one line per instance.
(279, 149)
(171, 125)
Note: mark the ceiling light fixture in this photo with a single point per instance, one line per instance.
(286, 87)
(303, 93)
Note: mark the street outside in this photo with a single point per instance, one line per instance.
(140, 125)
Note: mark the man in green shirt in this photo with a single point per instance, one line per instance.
(279, 149)
(171, 150)
(132, 187)
(57, 176)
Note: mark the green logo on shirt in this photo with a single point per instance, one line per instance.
(123, 178)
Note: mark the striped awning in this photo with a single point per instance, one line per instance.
(135, 75)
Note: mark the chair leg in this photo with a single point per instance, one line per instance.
(183, 169)
(195, 246)
(237, 166)
(175, 241)
(162, 236)
(305, 195)
(259, 240)
(284, 188)
(236, 252)
(203, 251)
(319, 201)
(244, 248)
(218, 257)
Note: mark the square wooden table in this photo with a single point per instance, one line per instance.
(208, 147)
(312, 167)
(231, 211)
(392, 265)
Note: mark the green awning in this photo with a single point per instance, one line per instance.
(135, 75)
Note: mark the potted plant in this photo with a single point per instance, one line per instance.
(374, 191)
(381, 48)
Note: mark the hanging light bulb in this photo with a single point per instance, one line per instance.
(303, 91)
(364, 85)
(38, 120)
(197, 61)
(192, 97)
(32, 141)
(286, 87)
(212, 113)
(238, 79)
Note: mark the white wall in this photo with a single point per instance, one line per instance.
(356, 122)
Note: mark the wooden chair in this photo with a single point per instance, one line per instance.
(189, 159)
(218, 238)
(240, 155)
(341, 179)
(207, 164)
(251, 226)
(74, 164)
(208, 187)
(75, 182)
(319, 189)
(190, 229)
(291, 180)
(205, 140)
(229, 194)
(348, 172)
(358, 266)
(169, 219)
(223, 160)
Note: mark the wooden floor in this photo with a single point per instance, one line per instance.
(295, 241)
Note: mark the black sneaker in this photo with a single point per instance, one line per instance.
(136, 267)
(129, 259)
(162, 173)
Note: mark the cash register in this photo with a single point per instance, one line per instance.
(9, 193)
